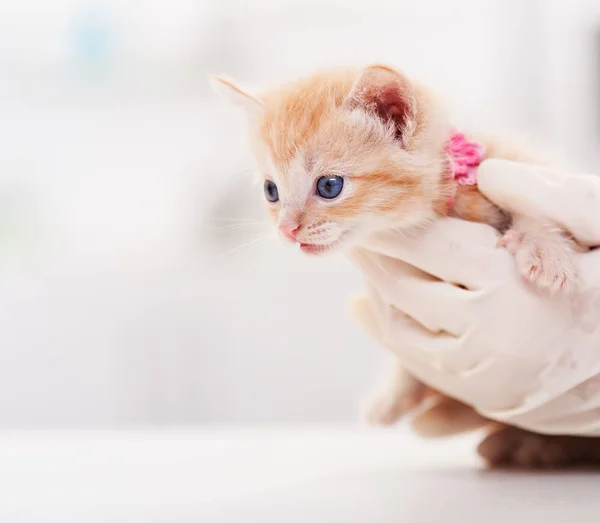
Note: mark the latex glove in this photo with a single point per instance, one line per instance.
(452, 307)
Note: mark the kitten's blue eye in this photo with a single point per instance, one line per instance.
(271, 192)
(329, 187)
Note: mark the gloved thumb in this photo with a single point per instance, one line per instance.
(571, 200)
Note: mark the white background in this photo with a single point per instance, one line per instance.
(120, 299)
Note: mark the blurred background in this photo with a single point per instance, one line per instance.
(138, 283)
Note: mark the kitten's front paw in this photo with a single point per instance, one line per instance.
(511, 241)
(546, 262)
(388, 407)
(548, 270)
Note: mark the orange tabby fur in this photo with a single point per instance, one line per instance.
(385, 135)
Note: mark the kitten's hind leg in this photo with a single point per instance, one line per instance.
(396, 396)
(513, 447)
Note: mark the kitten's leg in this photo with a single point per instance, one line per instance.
(447, 417)
(544, 254)
(514, 447)
(397, 395)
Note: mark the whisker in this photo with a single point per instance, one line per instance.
(236, 226)
(236, 220)
(374, 260)
(255, 241)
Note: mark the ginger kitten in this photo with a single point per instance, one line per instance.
(348, 152)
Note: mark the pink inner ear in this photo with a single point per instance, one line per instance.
(391, 105)
(385, 93)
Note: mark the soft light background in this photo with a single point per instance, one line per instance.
(124, 298)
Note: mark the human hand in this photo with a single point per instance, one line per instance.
(453, 309)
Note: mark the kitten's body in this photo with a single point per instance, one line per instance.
(385, 137)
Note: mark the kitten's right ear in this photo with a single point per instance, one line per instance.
(236, 95)
(387, 94)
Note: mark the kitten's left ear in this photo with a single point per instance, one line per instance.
(236, 95)
(387, 94)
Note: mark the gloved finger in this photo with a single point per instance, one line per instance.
(363, 311)
(423, 354)
(571, 200)
(399, 332)
(437, 305)
(452, 250)
(446, 417)
(589, 269)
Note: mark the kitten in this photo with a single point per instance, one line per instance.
(345, 153)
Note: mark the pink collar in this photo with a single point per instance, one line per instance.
(464, 157)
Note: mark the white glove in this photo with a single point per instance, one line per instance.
(452, 307)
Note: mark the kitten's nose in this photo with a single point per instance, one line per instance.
(289, 229)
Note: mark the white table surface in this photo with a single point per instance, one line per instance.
(272, 475)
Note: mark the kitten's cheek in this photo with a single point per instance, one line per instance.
(273, 214)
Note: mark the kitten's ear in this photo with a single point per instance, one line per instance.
(236, 95)
(387, 94)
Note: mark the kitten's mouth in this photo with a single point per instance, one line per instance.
(313, 248)
(319, 248)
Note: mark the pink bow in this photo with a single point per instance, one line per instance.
(464, 157)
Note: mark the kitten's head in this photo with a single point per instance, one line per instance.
(345, 153)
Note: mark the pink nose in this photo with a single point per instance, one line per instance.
(289, 230)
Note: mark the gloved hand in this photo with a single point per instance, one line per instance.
(452, 307)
